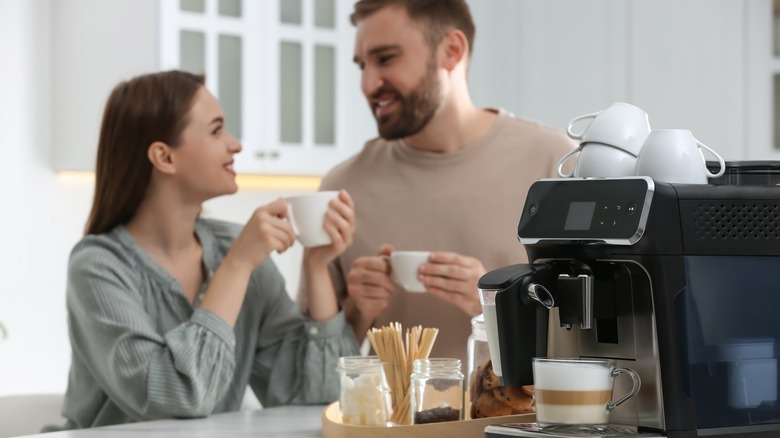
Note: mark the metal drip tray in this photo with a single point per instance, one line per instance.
(532, 430)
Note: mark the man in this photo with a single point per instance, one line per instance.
(444, 175)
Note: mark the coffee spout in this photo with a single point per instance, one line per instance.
(541, 295)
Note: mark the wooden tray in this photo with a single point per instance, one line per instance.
(332, 427)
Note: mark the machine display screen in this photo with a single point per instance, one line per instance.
(579, 216)
(604, 210)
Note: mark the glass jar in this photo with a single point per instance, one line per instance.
(365, 395)
(478, 357)
(436, 391)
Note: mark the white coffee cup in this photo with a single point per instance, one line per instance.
(307, 216)
(576, 393)
(675, 156)
(599, 160)
(621, 126)
(404, 266)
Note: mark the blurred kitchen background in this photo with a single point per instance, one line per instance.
(283, 71)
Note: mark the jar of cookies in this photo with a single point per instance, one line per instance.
(491, 399)
(436, 391)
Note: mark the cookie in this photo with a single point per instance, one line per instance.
(487, 406)
(515, 398)
(475, 387)
(490, 380)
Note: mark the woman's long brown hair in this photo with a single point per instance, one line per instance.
(139, 112)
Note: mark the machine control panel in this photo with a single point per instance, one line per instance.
(609, 210)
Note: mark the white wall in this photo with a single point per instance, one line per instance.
(94, 45)
(683, 62)
(39, 214)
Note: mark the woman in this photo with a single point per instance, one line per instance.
(170, 314)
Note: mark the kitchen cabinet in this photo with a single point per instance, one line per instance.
(703, 65)
(282, 70)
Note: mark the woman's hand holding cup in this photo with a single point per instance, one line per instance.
(267, 230)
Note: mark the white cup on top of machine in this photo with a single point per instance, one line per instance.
(609, 144)
(675, 156)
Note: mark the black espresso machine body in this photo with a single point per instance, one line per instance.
(679, 282)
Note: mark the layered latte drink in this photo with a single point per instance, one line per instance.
(577, 392)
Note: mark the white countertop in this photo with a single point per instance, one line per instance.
(280, 422)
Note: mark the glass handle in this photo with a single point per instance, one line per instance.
(634, 390)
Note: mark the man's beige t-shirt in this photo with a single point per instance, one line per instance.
(468, 202)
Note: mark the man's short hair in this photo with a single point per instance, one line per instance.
(437, 16)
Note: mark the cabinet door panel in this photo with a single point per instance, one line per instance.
(283, 71)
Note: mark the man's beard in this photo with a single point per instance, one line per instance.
(416, 109)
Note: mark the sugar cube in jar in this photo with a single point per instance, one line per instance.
(365, 395)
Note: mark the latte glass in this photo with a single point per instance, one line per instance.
(577, 393)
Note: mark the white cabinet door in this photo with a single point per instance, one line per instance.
(283, 72)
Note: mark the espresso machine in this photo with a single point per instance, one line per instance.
(679, 282)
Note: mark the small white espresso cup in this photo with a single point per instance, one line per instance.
(307, 216)
(576, 393)
(674, 156)
(404, 266)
